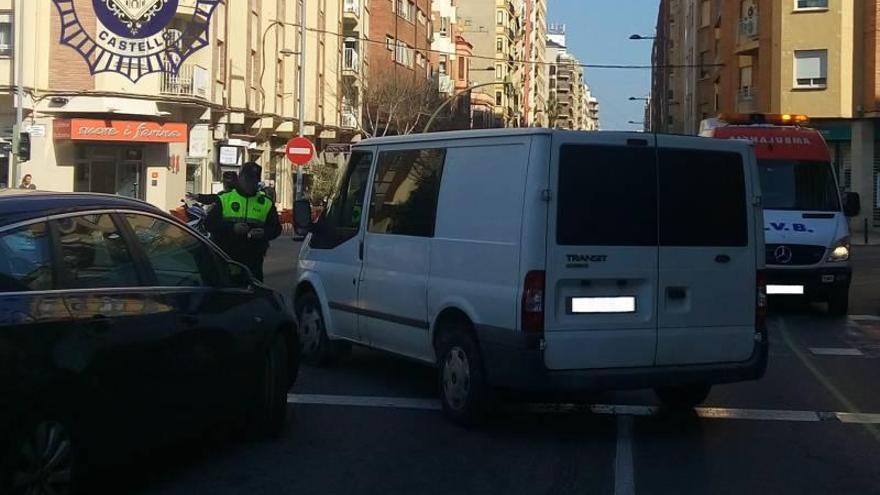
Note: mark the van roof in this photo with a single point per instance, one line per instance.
(452, 135)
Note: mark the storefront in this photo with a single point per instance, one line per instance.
(139, 159)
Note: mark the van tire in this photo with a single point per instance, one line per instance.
(317, 348)
(838, 302)
(464, 392)
(43, 433)
(683, 398)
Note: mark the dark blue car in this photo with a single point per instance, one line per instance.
(121, 327)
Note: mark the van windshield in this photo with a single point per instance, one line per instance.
(798, 185)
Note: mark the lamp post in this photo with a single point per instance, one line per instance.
(639, 37)
(636, 98)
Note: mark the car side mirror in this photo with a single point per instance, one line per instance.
(852, 204)
(302, 216)
(240, 276)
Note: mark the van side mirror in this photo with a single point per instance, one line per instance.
(302, 216)
(852, 204)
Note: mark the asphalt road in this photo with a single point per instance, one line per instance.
(371, 425)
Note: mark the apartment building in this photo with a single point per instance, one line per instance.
(355, 63)
(494, 27)
(452, 54)
(534, 49)
(159, 135)
(568, 95)
(814, 57)
(402, 32)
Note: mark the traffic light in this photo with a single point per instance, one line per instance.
(24, 147)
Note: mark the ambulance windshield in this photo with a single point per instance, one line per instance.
(798, 185)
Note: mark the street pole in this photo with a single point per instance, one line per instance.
(19, 83)
(302, 97)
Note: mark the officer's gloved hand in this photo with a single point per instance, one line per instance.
(241, 229)
(256, 234)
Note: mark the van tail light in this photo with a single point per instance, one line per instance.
(533, 303)
(761, 303)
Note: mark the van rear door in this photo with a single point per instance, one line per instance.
(708, 254)
(602, 255)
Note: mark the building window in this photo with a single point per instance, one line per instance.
(811, 4)
(811, 69)
(7, 34)
(389, 43)
(499, 18)
(444, 26)
(499, 71)
(441, 67)
(421, 17)
(499, 98)
(499, 45)
(462, 69)
(403, 54)
(705, 13)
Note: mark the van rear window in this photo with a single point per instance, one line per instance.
(607, 196)
(702, 198)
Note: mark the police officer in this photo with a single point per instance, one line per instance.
(246, 221)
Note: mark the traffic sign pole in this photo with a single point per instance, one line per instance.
(300, 151)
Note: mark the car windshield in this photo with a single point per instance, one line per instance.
(798, 185)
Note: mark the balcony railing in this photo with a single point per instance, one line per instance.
(748, 29)
(190, 80)
(349, 116)
(351, 60)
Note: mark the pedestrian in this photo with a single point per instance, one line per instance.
(229, 180)
(26, 182)
(246, 221)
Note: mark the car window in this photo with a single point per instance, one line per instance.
(343, 218)
(94, 253)
(177, 258)
(702, 198)
(405, 190)
(607, 196)
(25, 260)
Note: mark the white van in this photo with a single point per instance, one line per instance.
(537, 260)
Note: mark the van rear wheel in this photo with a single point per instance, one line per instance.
(682, 398)
(463, 389)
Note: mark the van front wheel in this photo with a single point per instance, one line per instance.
(682, 398)
(317, 348)
(463, 389)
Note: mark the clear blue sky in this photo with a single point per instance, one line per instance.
(598, 32)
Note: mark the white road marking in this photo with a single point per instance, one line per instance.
(859, 418)
(722, 413)
(364, 401)
(624, 474)
(836, 351)
(864, 318)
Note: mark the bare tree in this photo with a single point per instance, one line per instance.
(396, 105)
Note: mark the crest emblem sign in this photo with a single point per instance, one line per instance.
(135, 38)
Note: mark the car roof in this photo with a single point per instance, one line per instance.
(18, 205)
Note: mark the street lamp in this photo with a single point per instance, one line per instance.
(633, 122)
(638, 37)
(636, 98)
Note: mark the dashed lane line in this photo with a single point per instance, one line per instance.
(721, 413)
(836, 351)
(624, 472)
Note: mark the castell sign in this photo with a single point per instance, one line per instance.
(134, 38)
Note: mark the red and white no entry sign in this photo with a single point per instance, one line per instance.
(300, 151)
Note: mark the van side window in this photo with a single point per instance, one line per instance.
(342, 221)
(702, 198)
(405, 191)
(607, 196)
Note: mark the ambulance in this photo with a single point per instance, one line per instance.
(806, 215)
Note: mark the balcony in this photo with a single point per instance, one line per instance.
(747, 37)
(351, 62)
(745, 99)
(191, 81)
(351, 10)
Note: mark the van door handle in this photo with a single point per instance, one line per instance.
(722, 258)
(676, 293)
(361, 251)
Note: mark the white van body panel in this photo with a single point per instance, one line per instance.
(475, 251)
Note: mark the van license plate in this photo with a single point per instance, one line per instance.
(788, 290)
(602, 305)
